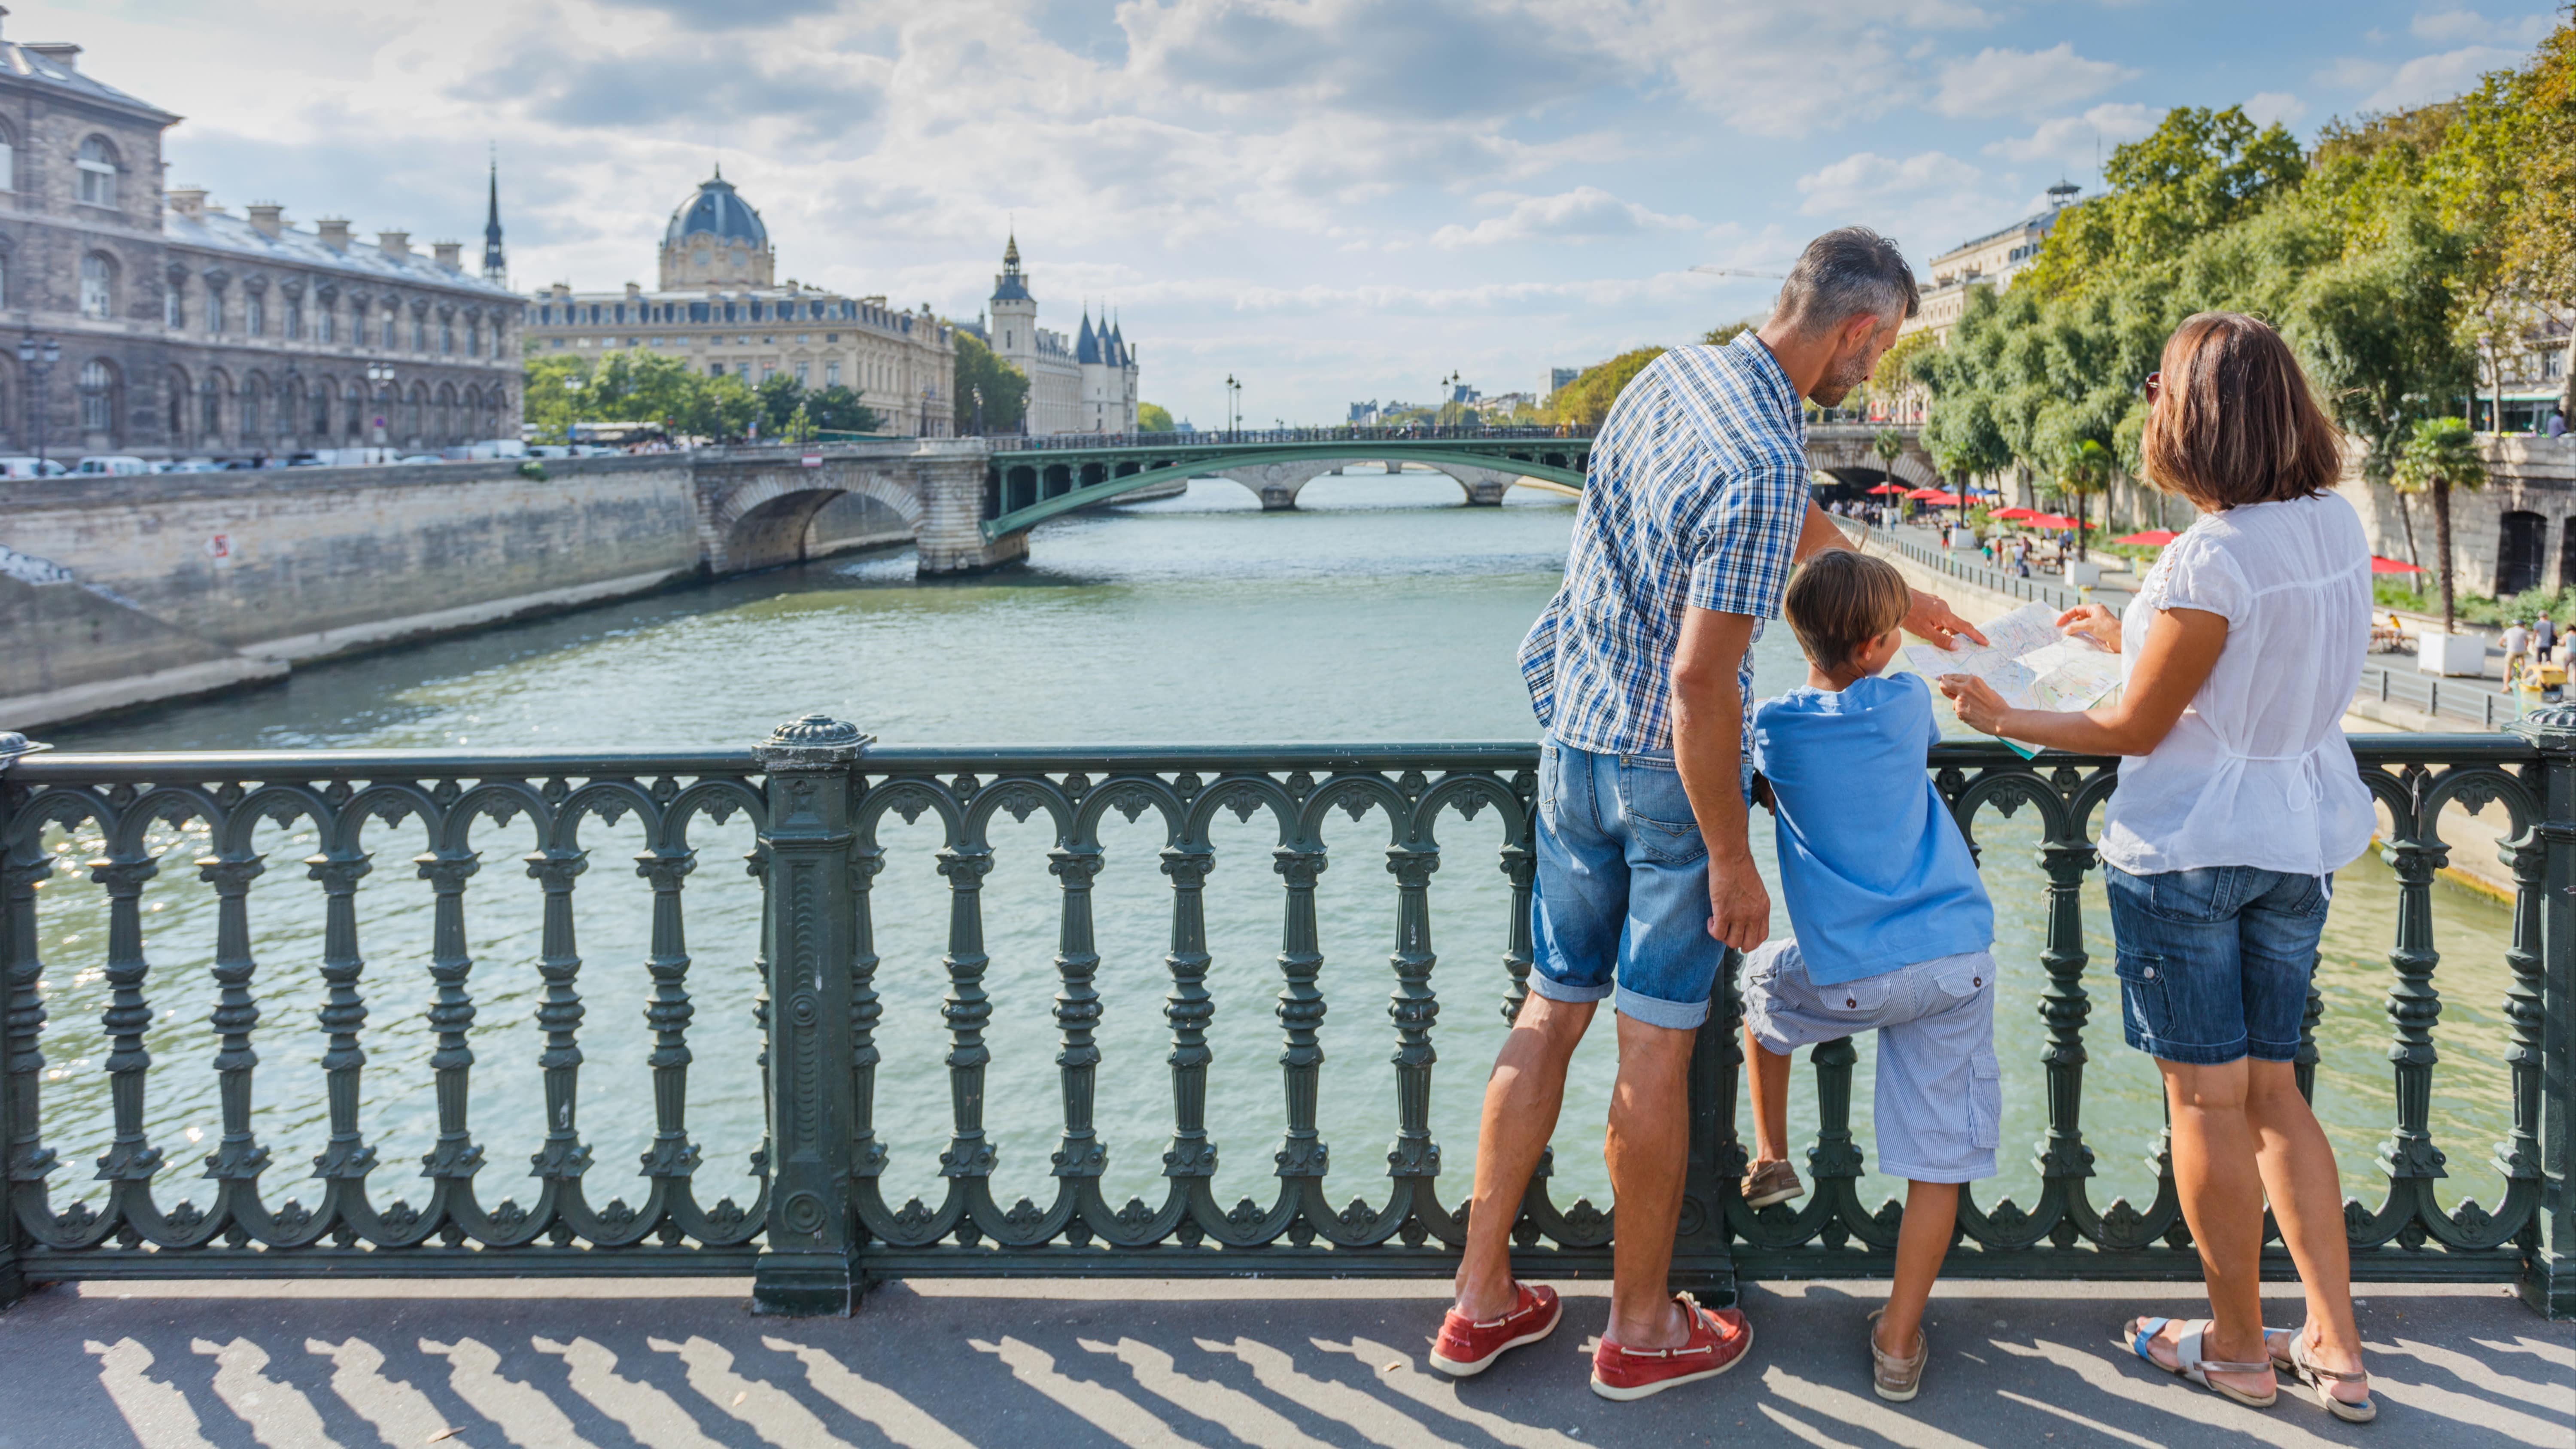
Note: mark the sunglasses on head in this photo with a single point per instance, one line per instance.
(2155, 384)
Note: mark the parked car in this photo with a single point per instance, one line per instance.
(421, 458)
(497, 448)
(548, 450)
(31, 468)
(188, 465)
(304, 460)
(112, 465)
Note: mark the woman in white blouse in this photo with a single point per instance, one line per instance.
(2240, 798)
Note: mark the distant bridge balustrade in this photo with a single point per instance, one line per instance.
(458, 1002)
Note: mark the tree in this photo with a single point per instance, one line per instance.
(2199, 170)
(2086, 470)
(781, 407)
(1720, 336)
(1153, 418)
(836, 409)
(1586, 400)
(1004, 388)
(2543, 245)
(2441, 455)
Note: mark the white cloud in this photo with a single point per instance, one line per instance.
(2438, 77)
(2265, 108)
(2351, 73)
(2467, 27)
(1866, 181)
(2071, 140)
(1998, 82)
(1587, 213)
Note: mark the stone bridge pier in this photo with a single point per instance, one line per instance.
(1278, 484)
(755, 508)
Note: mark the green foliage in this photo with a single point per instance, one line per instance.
(640, 386)
(1586, 400)
(837, 409)
(1720, 336)
(2440, 458)
(2199, 170)
(1889, 445)
(1004, 388)
(1153, 418)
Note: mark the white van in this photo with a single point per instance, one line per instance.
(30, 468)
(112, 465)
(497, 448)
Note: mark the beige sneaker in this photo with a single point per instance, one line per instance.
(1897, 1379)
(1772, 1182)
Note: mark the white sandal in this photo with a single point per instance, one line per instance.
(2190, 1366)
(2306, 1370)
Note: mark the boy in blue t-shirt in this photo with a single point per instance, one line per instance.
(1891, 931)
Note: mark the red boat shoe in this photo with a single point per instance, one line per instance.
(1717, 1342)
(1469, 1346)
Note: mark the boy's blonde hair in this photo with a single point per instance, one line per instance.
(1840, 600)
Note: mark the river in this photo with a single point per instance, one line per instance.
(1383, 611)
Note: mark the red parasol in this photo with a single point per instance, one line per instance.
(1889, 488)
(2380, 565)
(2157, 536)
(2014, 515)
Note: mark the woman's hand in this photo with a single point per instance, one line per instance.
(2094, 622)
(1975, 701)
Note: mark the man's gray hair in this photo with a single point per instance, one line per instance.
(1844, 273)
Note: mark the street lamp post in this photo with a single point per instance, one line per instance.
(1233, 406)
(380, 376)
(39, 359)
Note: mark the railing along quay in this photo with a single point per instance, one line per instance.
(820, 796)
(1014, 443)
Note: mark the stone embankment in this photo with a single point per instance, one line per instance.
(116, 592)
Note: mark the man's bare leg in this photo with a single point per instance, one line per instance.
(1522, 1099)
(1648, 1142)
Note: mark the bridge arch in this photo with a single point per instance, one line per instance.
(766, 520)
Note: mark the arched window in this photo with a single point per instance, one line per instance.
(322, 410)
(290, 405)
(178, 408)
(413, 407)
(210, 408)
(353, 410)
(97, 287)
(254, 395)
(97, 166)
(97, 397)
(446, 425)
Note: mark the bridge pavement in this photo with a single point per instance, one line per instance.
(680, 1363)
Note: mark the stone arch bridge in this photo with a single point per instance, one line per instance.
(970, 502)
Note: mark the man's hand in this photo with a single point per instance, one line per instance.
(1739, 909)
(1932, 619)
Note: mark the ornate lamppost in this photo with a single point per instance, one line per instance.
(1233, 407)
(38, 358)
(380, 375)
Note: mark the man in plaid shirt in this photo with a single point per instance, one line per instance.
(1694, 511)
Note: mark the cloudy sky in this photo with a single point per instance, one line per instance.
(1329, 199)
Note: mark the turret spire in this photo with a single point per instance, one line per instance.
(495, 264)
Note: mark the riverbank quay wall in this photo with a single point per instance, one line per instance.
(839, 825)
(122, 591)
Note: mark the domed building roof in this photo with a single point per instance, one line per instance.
(718, 212)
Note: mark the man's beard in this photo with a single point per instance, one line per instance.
(1849, 373)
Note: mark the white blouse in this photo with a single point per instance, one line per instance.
(2256, 772)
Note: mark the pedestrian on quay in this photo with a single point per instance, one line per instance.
(2242, 648)
(2516, 642)
(2544, 635)
(1639, 670)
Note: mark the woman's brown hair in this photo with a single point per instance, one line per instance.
(2233, 420)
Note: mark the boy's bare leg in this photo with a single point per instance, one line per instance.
(1769, 1071)
(1522, 1099)
(1931, 1211)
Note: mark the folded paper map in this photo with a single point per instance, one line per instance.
(2028, 662)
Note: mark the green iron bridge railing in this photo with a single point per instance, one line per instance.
(1030, 480)
(822, 800)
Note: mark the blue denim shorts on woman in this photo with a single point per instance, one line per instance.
(2214, 963)
(1621, 908)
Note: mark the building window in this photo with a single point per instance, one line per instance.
(210, 409)
(174, 307)
(546, 316)
(831, 337)
(255, 315)
(214, 311)
(800, 374)
(419, 333)
(831, 374)
(294, 319)
(97, 397)
(250, 409)
(447, 336)
(8, 161)
(97, 287)
(97, 166)
(715, 369)
(322, 411)
(353, 410)
(802, 338)
(330, 324)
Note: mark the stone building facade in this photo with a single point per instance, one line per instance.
(1987, 261)
(187, 331)
(720, 308)
(1085, 383)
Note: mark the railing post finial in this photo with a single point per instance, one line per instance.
(809, 1261)
(2549, 1273)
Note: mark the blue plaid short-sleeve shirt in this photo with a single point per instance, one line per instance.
(1695, 498)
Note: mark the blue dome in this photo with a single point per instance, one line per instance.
(717, 212)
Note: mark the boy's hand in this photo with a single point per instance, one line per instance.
(1976, 703)
(1932, 618)
(2093, 622)
(1739, 909)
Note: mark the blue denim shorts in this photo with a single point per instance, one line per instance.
(2214, 963)
(1939, 1104)
(1621, 909)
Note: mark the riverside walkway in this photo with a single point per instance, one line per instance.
(929, 1364)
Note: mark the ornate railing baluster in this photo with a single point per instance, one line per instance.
(672, 1159)
(559, 1164)
(1303, 1158)
(453, 1160)
(346, 1159)
(867, 1155)
(238, 1159)
(24, 1158)
(1191, 1162)
(131, 1159)
(965, 1010)
(1080, 1158)
(1414, 1159)
(2408, 1156)
(2543, 1053)
(2064, 1161)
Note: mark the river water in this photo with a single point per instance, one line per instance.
(1384, 611)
